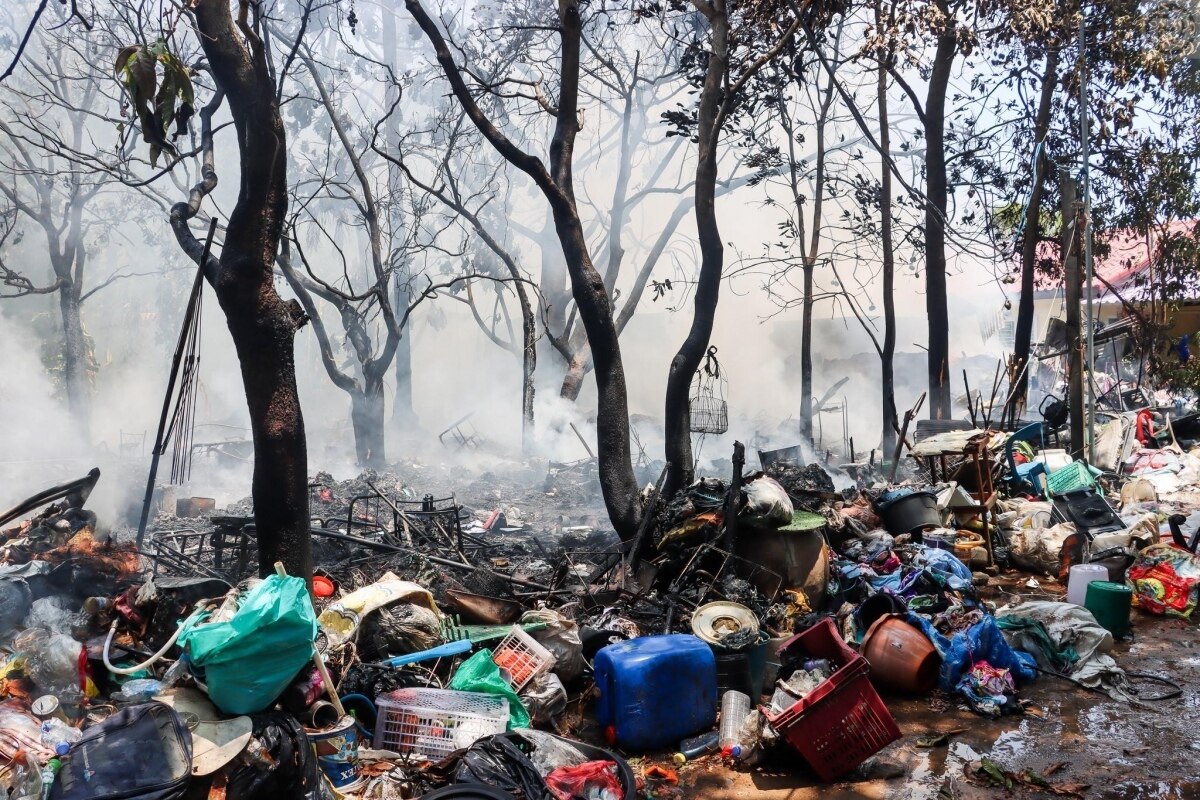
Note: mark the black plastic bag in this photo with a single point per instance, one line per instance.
(373, 680)
(15, 602)
(294, 774)
(497, 761)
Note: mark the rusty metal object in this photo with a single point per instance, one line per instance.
(481, 609)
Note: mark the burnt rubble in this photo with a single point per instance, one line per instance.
(492, 595)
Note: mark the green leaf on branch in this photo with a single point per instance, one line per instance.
(157, 104)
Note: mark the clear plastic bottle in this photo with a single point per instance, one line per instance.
(734, 708)
(698, 746)
(138, 690)
(24, 780)
(56, 732)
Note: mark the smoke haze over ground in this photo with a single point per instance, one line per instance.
(458, 372)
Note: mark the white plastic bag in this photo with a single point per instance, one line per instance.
(767, 502)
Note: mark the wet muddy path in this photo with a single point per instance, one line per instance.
(1076, 737)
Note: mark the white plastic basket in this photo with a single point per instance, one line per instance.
(521, 657)
(436, 722)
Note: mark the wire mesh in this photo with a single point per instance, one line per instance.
(707, 408)
(708, 414)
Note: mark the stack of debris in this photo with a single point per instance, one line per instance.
(441, 649)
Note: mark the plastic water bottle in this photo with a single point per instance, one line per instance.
(56, 732)
(698, 746)
(734, 708)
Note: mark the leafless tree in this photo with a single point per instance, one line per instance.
(49, 109)
(442, 162)
(734, 45)
(340, 180)
(556, 183)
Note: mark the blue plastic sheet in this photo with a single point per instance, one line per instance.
(981, 642)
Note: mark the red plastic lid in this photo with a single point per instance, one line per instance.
(322, 586)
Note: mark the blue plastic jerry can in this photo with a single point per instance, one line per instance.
(655, 690)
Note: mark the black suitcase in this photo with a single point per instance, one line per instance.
(143, 752)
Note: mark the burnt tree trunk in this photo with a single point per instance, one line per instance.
(367, 418)
(617, 481)
(935, 222)
(529, 339)
(68, 259)
(712, 257)
(814, 229)
(1032, 234)
(75, 358)
(404, 414)
(262, 325)
(806, 364)
(887, 353)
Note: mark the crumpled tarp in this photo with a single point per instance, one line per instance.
(981, 642)
(1058, 634)
(1040, 549)
(1114, 440)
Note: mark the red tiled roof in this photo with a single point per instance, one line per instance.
(1129, 254)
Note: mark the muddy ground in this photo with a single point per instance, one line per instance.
(1106, 749)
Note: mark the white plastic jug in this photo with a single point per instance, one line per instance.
(1079, 578)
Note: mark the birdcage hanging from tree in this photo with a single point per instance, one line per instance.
(707, 407)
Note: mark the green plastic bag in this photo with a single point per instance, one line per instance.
(249, 660)
(480, 674)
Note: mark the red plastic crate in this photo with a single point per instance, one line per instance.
(819, 641)
(842, 722)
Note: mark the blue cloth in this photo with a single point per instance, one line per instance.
(981, 642)
(945, 566)
(942, 566)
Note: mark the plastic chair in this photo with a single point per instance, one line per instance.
(1030, 474)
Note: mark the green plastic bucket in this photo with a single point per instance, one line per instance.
(1110, 603)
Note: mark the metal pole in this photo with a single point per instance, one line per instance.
(159, 444)
(1086, 234)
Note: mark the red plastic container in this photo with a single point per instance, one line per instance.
(842, 722)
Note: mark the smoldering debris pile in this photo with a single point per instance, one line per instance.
(443, 648)
(538, 495)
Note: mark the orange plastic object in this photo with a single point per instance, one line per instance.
(901, 657)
